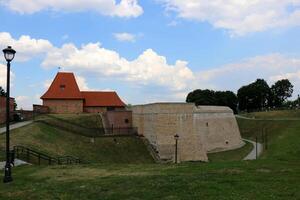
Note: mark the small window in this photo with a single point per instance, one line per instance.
(207, 124)
(62, 87)
(126, 121)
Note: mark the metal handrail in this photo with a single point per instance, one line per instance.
(41, 156)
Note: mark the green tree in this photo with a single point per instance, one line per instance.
(210, 97)
(281, 91)
(254, 96)
(201, 97)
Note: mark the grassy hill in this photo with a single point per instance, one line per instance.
(276, 175)
(279, 114)
(231, 180)
(56, 142)
(283, 134)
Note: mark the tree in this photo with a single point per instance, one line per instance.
(201, 97)
(210, 97)
(254, 96)
(2, 92)
(281, 90)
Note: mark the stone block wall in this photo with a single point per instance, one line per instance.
(64, 106)
(200, 129)
(39, 109)
(119, 119)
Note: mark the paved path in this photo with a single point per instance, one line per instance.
(17, 163)
(252, 154)
(14, 126)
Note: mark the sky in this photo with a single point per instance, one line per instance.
(149, 50)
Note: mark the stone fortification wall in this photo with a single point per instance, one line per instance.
(200, 129)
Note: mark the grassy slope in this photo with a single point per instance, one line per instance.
(283, 135)
(233, 155)
(84, 120)
(57, 142)
(232, 180)
(277, 176)
(274, 114)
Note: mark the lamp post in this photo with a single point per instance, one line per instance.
(9, 55)
(176, 137)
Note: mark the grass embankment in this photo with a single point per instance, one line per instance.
(232, 180)
(278, 114)
(276, 176)
(232, 155)
(53, 141)
(283, 136)
(83, 120)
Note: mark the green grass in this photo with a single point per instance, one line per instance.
(274, 114)
(276, 175)
(56, 142)
(283, 137)
(231, 180)
(233, 155)
(83, 120)
(2, 155)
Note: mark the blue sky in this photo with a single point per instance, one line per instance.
(150, 50)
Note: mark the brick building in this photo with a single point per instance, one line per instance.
(3, 108)
(64, 96)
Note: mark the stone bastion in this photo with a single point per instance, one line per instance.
(201, 129)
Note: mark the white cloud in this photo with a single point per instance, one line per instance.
(3, 73)
(82, 84)
(239, 16)
(123, 8)
(125, 37)
(148, 68)
(25, 102)
(270, 67)
(25, 46)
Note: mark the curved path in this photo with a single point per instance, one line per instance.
(14, 126)
(252, 154)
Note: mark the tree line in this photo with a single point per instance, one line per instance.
(254, 96)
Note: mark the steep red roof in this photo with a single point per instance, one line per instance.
(64, 86)
(102, 99)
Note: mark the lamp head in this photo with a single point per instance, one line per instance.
(9, 54)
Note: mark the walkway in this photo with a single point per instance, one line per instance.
(252, 154)
(14, 126)
(17, 163)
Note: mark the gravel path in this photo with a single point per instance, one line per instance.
(252, 154)
(14, 126)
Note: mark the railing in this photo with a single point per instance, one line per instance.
(31, 155)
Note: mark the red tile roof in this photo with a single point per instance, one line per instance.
(64, 86)
(94, 99)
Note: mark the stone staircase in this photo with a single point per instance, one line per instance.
(153, 152)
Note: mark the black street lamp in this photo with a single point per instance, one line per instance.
(176, 137)
(9, 55)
